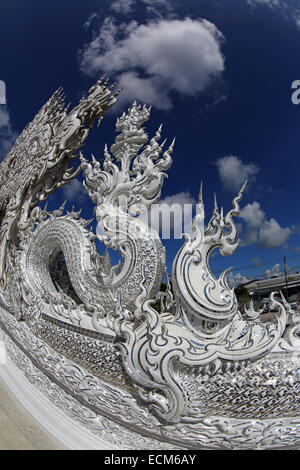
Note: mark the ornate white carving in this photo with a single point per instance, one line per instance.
(271, 385)
(39, 161)
(250, 313)
(196, 374)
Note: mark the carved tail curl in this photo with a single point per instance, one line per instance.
(155, 351)
(93, 285)
(204, 296)
(120, 190)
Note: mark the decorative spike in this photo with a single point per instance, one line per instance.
(216, 210)
(61, 209)
(243, 187)
(106, 153)
(169, 150)
(200, 197)
(82, 158)
(68, 105)
(86, 223)
(117, 92)
(235, 209)
(222, 216)
(282, 296)
(162, 145)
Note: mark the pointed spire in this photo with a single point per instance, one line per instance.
(172, 144)
(61, 209)
(222, 218)
(162, 144)
(168, 280)
(243, 187)
(200, 197)
(216, 210)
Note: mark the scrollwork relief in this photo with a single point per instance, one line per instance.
(195, 372)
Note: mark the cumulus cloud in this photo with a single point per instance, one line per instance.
(266, 233)
(234, 280)
(269, 3)
(146, 90)
(74, 191)
(233, 172)
(276, 271)
(253, 214)
(271, 234)
(155, 59)
(288, 8)
(122, 6)
(273, 272)
(7, 134)
(126, 7)
(93, 16)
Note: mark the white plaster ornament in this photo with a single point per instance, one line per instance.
(87, 335)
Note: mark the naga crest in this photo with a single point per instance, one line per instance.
(139, 363)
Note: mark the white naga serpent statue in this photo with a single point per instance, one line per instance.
(194, 372)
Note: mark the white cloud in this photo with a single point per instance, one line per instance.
(160, 8)
(146, 90)
(181, 198)
(297, 19)
(122, 6)
(93, 16)
(271, 234)
(74, 191)
(273, 272)
(7, 134)
(269, 3)
(276, 271)
(288, 8)
(252, 214)
(157, 58)
(267, 233)
(154, 8)
(234, 280)
(165, 3)
(233, 172)
(4, 117)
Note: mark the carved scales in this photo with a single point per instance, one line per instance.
(197, 373)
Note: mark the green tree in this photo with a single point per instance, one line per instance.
(242, 294)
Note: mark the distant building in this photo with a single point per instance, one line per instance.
(263, 287)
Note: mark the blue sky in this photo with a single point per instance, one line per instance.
(219, 75)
